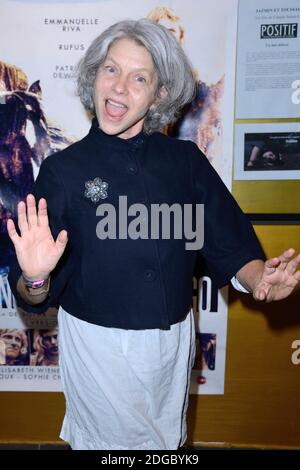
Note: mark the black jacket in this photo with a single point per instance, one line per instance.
(142, 283)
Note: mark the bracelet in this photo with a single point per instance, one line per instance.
(34, 284)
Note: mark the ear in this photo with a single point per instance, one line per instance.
(161, 95)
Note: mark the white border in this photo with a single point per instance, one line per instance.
(240, 131)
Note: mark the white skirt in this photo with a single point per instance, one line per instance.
(125, 389)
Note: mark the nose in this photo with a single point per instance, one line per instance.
(120, 85)
(54, 341)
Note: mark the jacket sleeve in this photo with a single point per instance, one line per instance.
(48, 185)
(229, 239)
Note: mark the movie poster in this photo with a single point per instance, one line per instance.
(210, 310)
(40, 114)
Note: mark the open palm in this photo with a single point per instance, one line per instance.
(279, 278)
(37, 252)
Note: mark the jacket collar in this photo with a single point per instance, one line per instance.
(97, 134)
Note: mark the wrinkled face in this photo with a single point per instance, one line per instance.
(13, 343)
(50, 342)
(125, 88)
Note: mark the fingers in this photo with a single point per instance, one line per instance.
(62, 237)
(285, 258)
(11, 230)
(42, 218)
(271, 265)
(22, 217)
(30, 218)
(61, 241)
(284, 262)
(260, 294)
(281, 262)
(31, 211)
(293, 265)
(27, 219)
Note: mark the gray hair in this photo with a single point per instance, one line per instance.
(172, 66)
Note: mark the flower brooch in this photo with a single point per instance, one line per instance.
(96, 189)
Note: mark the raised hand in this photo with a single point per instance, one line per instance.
(279, 277)
(37, 252)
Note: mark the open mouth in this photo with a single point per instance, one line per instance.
(115, 109)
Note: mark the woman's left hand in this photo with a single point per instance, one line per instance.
(279, 277)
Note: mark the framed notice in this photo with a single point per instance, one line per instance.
(268, 59)
(266, 177)
(267, 167)
(267, 151)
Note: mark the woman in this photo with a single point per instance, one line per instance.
(45, 345)
(125, 320)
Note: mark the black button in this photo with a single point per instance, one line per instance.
(132, 169)
(149, 275)
(137, 145)
(137, 142)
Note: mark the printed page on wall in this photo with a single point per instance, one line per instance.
(268, 59)
(267, 130)
(40, 114)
